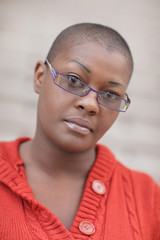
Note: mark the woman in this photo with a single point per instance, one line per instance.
(62, 184)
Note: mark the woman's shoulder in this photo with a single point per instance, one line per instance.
(9, 150)
(139, 179)
(145, 190)
(143, 193)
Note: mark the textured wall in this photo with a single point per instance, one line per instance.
(27, 29)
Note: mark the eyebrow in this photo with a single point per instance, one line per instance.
(89, 71)
(82, 65)
(116, 83)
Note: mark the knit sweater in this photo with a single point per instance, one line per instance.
(127, 208)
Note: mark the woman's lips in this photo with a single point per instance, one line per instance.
(79, 125)
(77, 128)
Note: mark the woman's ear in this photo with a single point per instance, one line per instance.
(39, 75)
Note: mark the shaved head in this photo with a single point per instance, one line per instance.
(83, 33)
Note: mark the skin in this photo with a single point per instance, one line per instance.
(59, 156)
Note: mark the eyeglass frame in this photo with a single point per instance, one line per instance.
(54, 73)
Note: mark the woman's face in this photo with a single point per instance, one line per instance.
(73, 123)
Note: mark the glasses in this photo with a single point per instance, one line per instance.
(74, 85)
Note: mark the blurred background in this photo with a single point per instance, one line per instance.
(27, 30)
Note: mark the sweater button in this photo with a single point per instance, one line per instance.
(98, 187)
(87, 228)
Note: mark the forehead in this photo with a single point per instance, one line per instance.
(95, 58)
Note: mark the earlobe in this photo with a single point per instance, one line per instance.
(39, 76)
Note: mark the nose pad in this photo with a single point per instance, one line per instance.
(85, 91)
(88, 103)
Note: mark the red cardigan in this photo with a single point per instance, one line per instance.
(117, 203)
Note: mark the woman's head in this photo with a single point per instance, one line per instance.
(74, 123)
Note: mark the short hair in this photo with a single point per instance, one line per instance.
(82, 33)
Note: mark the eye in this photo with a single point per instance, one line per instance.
(74, 81)
(110, 95)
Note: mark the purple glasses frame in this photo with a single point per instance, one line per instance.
(55, 73)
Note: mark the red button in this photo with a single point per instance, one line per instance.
(99, 187)
(87, 228)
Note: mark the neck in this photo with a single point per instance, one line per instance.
(44, 156)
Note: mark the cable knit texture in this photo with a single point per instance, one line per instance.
(129, 209)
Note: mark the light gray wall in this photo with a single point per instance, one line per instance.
(27, 29)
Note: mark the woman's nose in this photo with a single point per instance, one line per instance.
(89, 103)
